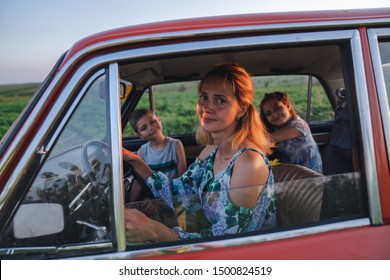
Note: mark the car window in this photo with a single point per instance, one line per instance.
(302, 202)
(384, 48)
(174, 103)
(68, 201)
(380, 49)
(305, 92)
(384, 91)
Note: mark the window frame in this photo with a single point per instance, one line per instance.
(374, 37)
(353, 38)
(53, 133)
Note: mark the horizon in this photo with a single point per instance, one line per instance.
(36, 33)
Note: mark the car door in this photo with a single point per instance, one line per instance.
(66, 202)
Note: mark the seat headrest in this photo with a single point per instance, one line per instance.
(289, 172)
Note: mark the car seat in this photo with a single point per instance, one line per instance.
(299, 192)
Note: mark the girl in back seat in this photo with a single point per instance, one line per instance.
(295, 143)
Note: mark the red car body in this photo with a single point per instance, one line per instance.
(366, 237)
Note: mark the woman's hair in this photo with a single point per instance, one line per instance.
(279, 96)
(136, 115)
(250, 125)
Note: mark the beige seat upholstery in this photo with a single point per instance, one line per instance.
(299, 192)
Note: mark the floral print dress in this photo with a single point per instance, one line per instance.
(198, 189)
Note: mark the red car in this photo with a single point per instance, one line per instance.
(63, 183)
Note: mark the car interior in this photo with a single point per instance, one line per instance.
(322, 62)
(304, 196)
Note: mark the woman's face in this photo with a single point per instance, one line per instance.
(217, 107)
(276, 112)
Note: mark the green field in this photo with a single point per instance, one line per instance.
(179, 116)
(13, 98)
(175, 103)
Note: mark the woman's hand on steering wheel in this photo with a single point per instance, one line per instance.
(129, 156)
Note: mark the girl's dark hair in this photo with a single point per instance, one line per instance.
(279, 96)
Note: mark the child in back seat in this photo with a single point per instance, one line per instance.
(161, 153)
(295, 143)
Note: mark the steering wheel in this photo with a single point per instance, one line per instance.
(145, 201)
(132, 179)
(89, 210)
(96, 159)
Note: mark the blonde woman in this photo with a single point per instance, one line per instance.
(218, 182)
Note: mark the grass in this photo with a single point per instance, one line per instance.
(18, 90)
(179, 117)
(13, 98)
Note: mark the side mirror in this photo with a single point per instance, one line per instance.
(125, 88)
(38, 219)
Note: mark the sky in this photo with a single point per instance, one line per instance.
(35, 33)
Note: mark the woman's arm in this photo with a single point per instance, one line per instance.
(181, 158)
(250, 174)
(140, 228)
(140, 166)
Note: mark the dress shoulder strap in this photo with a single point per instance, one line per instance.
(233, 159)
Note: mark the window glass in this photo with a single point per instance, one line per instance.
(298, 203)
(321, 109)
(337, 196)
(175, 104)
(68, 200)
(296, 86)
(384, 48)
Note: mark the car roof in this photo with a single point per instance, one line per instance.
(222, 24)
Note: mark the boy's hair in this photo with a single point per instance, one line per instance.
(136, 115)
(279, 96)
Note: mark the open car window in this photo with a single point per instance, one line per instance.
(303, 202)
(175, 103)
